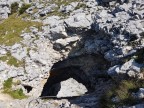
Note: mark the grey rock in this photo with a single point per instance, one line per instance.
(2, 67)
(91, 3)
(12, 73)
(58, 32)
(111, 55)
(46, 10)
(127, 65)
(18, 51)
(52, 21)
(130, 68)
(78, 21)
(70, 88)
(107, 0)
(40, 6)
(114, 70)
(136, 106)
(34, 30)
(56, 29)
(2, 51)
(61, 43)
(68, 8)
(29, 36)
(5, 8)
(140, 93)
(115, 32)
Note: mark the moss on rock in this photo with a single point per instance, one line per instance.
(11, 28)
(16, 94)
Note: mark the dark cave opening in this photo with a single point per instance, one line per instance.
(83, 70)
(52, 86)
(28, 88)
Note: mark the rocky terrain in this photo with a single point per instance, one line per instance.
(71, 53)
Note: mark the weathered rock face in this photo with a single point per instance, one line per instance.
(4, 10)
(80, 45)
(130, 68)
(82, 72)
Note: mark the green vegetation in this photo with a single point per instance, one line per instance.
(8, 84)
(80, 5)
(14, 7)
(11, 28)
(11, 60)
(28, 50)
(60, 3)
(63, 2)
(122, 91)
(23, 8)
(16, 94)
(57, 13)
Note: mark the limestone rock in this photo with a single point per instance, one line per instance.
(71, 88)
(78, 21)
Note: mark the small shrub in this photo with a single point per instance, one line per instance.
(12, 61)
(105, 101)
(63, 2)
(123, 91)
(14, 7)
(16, 94)
(80, 5)
(24, 8)
(7, 84)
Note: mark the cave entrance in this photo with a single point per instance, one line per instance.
(66, 82)
(75, 75)
(28, 88)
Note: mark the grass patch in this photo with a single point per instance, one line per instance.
(11, 28)
(12, 61)
(23, 8)
(7, 84)
(123, 91)
(63, 2)
(16, 94)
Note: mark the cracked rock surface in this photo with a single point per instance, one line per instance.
(80, 50)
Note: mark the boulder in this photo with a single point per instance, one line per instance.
(71, 88)
(78, 21)
(55, 28)
(130, 68)
(140, 93)
(61, 43)
(114, 70)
